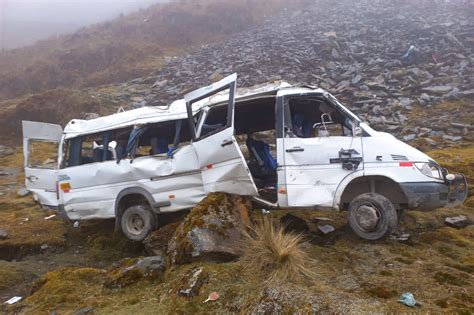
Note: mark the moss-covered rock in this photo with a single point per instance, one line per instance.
(211, 230)
(157, 242)
(131, 270)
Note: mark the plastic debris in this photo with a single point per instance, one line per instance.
(458, 222)
(265, 211)
(327, 228)
(76, 224)
(50, 217)
(13, 300)
(400, 237)
(212, 297)
(408, 299)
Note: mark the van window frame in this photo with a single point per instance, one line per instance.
(230, 103)
(66, 147)
(330, 101)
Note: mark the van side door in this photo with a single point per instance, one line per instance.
(40, 150)
(222, 164)
(319, 149)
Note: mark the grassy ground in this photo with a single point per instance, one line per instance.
(352, 276)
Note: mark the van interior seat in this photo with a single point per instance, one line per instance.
(262, 164)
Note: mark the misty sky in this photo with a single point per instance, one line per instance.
(24, 21)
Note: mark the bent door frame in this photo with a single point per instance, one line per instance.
(222, 164)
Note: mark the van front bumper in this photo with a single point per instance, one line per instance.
(432, 195)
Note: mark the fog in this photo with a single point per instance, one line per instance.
(24, 21)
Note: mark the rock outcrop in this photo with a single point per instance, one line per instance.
(211, 231)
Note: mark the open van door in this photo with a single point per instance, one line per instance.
(40, 150)
(222, 164)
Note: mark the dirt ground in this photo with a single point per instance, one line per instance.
(58, 268)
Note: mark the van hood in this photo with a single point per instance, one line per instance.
(389, 148)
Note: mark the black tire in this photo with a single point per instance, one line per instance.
(137, 222)
(372, 216)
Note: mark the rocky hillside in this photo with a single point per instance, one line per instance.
(384, 59)
(126, 47)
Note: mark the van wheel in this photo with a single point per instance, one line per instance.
(137, 222)
(372, 216)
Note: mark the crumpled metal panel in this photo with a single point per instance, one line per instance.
(94, 187)
(223, 166)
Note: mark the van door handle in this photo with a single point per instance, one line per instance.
(294, 150)
(32, 178)
(226, 143)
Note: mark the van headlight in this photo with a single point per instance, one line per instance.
(430, 169)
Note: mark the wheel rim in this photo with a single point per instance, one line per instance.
(367, 217)
(135, 224)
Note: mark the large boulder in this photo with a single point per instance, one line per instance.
(211, 231)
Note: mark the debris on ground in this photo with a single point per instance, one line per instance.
(458, 222)
(401, 237)
(13, 300)
(408, 299)
(213, 296)
(326, 228)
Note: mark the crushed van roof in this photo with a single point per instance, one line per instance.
(175, 111)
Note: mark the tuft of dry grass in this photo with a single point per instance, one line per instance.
(274, 254)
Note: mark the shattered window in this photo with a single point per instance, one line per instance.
(43, 154)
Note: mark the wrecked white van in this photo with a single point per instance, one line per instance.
(134, 165)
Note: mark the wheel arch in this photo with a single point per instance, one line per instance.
(131, 196)
(380, 184)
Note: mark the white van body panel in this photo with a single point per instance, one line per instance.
(311, 179)
(41, 181)
(384, 156)
(177, 180)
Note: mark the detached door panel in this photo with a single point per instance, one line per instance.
(222, 164)
(40, 150)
